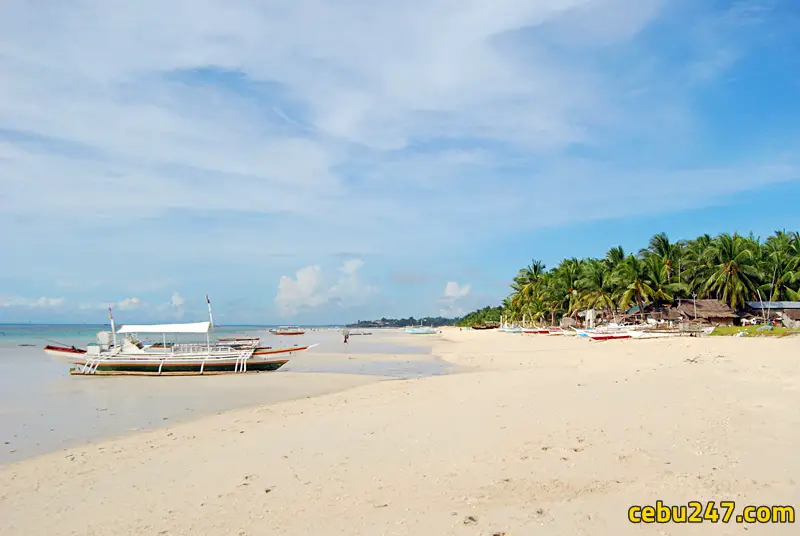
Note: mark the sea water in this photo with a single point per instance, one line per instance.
(43, 408)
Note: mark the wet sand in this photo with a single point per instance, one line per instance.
(43, 408)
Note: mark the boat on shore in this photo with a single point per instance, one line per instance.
(287, 330)
(133, 356)
(422, 330)
(535, 331)
(598, 336)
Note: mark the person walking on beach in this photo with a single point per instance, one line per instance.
(346, 333)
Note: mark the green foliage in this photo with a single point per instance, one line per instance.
(404, 322)
(732, 268)
(486, 315)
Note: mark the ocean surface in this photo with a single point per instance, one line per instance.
(43, 408)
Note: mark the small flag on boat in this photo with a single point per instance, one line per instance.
(110, 314)
(207, 300)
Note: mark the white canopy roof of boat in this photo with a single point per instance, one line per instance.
(196, 327)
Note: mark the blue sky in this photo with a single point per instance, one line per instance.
(311, 164)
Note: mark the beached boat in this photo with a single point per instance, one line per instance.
(599, 336)
(287, 330)
(108, 356)
(485, 326)
(536, 331)
(422, 330)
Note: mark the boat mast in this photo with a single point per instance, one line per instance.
(113, 330)
(210, 316)
(211, 319)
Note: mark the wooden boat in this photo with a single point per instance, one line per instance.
(485, 326)
(287, 330)
(107, 356)
(598, 336)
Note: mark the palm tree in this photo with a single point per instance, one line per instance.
(668, 252)
(597, 286)
(780, 263)
(566, 279)
(732, 273)
(695, 262)
(732, 268)
(633, 282)
(614, 257)
(663, 291)
(527, 280)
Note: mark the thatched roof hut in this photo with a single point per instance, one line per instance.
(711, 311)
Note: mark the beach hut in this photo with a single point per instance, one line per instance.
(707, 311)
(788, 312)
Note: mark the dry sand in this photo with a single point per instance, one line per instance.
(545, 435)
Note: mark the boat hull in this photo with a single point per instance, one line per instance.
(262, 359)
(609, 336)
(184, 368)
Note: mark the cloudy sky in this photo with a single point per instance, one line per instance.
(311, 161)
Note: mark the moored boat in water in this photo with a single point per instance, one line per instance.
(132, 355)
(287, 330)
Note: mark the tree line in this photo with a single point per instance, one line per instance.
(732, 268)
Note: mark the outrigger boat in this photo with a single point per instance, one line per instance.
(108, 356)
(287, 330)
(422, 330)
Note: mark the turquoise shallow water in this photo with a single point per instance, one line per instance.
(43, 408)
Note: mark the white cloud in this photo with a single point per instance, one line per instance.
(454, 291)
(125, 304)
(30, 303)
(128, 303)
(176, 302)
(308, 289)
(269, 103)
(453, 299)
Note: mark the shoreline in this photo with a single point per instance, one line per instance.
(106, 407)
(544, 436)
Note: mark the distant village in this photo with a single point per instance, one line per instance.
(404, 322)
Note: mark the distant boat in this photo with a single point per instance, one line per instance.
(422, 330)
(485, 326)
(287, 330)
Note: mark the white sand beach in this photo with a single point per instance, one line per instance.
(543, 435)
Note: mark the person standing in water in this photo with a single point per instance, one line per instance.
(346, 333)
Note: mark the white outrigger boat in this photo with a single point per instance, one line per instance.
(422, 330)
(287, 330)
(108, 356)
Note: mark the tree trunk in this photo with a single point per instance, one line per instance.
(641, 306)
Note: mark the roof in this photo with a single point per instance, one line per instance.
(705, 309)
(774, 304)
(794, 314)
(196, 327)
